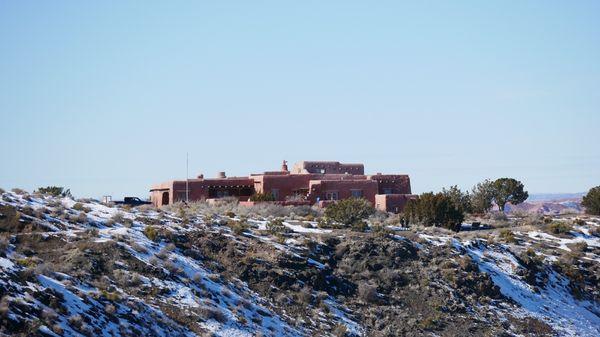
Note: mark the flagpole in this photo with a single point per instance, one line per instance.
(187, 165)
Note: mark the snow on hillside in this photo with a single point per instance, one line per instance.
(554, 303)
(182, 290)
(77, 268)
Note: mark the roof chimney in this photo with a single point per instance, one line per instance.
(201, 176)
(221, 175)
(284, 166)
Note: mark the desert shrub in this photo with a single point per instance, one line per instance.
(197, 277)
(507, 235)
(81, 218)
(111, 296)
(349, 211)
(3, 244)
(578, 247)
(259, 197)
(230, 214)
(76, 321)
(306, 224)
(212, 313)
(532, 219)
(139, 248)
(208, 219)
(57, 329)
(55, 191)
(78, 206)
(43, 269)
(304, 296)
(28, 210)
(27, 262)
(165, 251)
(276, 226)
(340, 330)
(91, 232)
(238, 227)
(120, 219)
(573, 273)
(151, 233)
(110, 309)
(10, 219)
(153, 260)
(434, 210)
(27, 274)
(534, 267)
(149, 221)
(325, 222)
(559, 227)
(19, 191)
(367, 293)
(360, 226)
(172, 267)
(214, 277)
(499, 216)
(591, 201)
(595, 231)
(430, 322)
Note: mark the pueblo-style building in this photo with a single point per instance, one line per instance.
(309, 182)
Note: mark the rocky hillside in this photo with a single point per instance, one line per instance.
(81, 268)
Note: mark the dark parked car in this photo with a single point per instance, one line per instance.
(133, 201)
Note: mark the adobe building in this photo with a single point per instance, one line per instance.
(309, 182)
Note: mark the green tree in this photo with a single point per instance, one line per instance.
(56, 191)
(434, 210)
(508, 190)
(462, 200)
(482, 196)
(591, 201)
(349, 211)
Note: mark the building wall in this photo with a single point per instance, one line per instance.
(392, 183)
(392, 202)
(200, 189)
(344, 188)
(285, 185)
(327, 167)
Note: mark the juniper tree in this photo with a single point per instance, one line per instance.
(591, 201)
(508, 190)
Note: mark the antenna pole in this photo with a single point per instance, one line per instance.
(187, 165)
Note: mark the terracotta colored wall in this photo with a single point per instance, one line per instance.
(344, 188)
(198, 189)
(286, 184)
(392, 202)
(329, 167)
(398, 183)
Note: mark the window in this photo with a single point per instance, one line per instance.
(222, 193)
(387, 190)
(275, 193)
(331, 195)
(357, 193)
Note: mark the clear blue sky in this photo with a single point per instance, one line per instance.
(107, 97)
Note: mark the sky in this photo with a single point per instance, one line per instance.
(107, 97)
